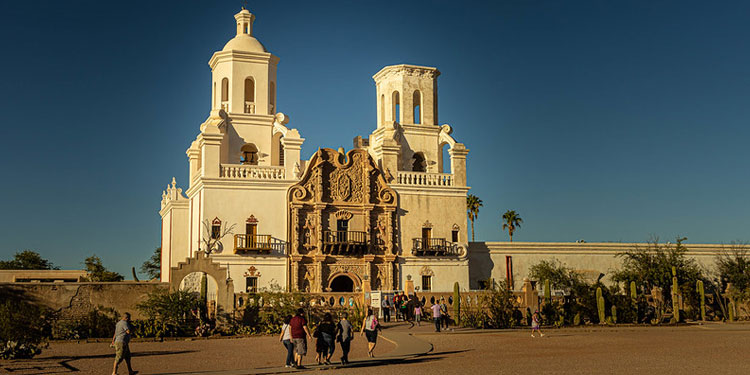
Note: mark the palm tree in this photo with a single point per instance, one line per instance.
(472, 209)
(511, 221)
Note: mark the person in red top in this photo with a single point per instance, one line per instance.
(298, 328)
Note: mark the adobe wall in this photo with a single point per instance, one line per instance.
(74, 300)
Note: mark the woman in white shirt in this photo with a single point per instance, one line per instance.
(286, 339)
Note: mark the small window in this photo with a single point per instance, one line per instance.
(417, 102)
(251, 284)
(396, 107)
(454, 235)
(342, 227)
(426, 283)
(224, 90)
(216, 229)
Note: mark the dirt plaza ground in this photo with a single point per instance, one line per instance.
(711, 348)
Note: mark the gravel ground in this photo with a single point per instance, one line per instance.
(173, 356)
(713, 348)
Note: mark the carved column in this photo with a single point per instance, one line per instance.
(294, 230)
(294, 274)
(318, 287)
(390, 249)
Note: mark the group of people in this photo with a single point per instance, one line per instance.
(410, 309)
(294, 335)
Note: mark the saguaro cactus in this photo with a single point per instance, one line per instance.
(456, 302)
(600, 305)
(614, 314)
(547, 292)
(700, 291)
(634, 301)
(731, 311)
(675, 302)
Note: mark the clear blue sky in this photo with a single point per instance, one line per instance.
(601, 120)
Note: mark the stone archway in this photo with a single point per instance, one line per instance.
(202, 263)
(343, 282)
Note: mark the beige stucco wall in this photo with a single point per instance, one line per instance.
(487, 259)
(74, 300)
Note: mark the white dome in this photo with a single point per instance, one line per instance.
(244, 42)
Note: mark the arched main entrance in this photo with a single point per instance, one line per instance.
(342, 283)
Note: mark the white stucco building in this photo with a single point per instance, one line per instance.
(386, 215)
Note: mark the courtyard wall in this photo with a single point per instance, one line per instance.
(75, 300)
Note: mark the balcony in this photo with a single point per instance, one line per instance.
(424, 179)
(260, 243)
(345, 242)
(433, 247)
(251, 172)
(250, 107)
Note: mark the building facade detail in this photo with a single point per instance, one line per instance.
(340, 221)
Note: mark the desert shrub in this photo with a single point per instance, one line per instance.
(494, 308)
(733, 267)
(651, 266)
(24, 325)
(97, 323)
(177, 312)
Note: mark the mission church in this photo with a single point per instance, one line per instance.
(381, 216)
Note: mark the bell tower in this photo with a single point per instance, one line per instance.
(407, 94)
(244, 73)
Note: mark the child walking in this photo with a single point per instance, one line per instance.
(535, 324)
(418, 312)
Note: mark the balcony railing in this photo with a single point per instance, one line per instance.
(433, 247)
(250, 107)
(344, 242)
(424, 179)
(251, 172)
(252, 243)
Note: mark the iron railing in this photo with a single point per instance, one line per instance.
(252, 242)
(433, 247)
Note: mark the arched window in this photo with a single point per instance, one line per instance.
(396, 107)
(249, 154)
(272, 98)
(419, 163)
(417, 102)
(444, 158)
(249, 95)
(224, 94)
(382, 109)
(277, 150)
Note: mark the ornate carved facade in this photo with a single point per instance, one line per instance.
(342, 215)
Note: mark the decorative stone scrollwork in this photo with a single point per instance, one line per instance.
(426, 271)
(343, 215)
(427, 224)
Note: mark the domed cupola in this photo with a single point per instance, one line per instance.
(244, 40)
(244, 73)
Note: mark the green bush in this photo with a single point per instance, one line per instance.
(24, 325)
(98, 323)
(176, 313)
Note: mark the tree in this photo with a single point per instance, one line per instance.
(212, 239)
(511, 221)
(651, 266)
(152, 267)
(27, 260)
(472, 209)
(97, 271)
(733, 266)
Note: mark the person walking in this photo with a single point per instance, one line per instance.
(535, 324)
(418, 312)
(286, 339)
(300, 333)
(370, 328)
(121, 343)
(386, 307)
(436, 316)
(344, 336)
(444, 317)
(327, 332)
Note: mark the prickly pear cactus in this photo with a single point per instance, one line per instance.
(701, 292)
